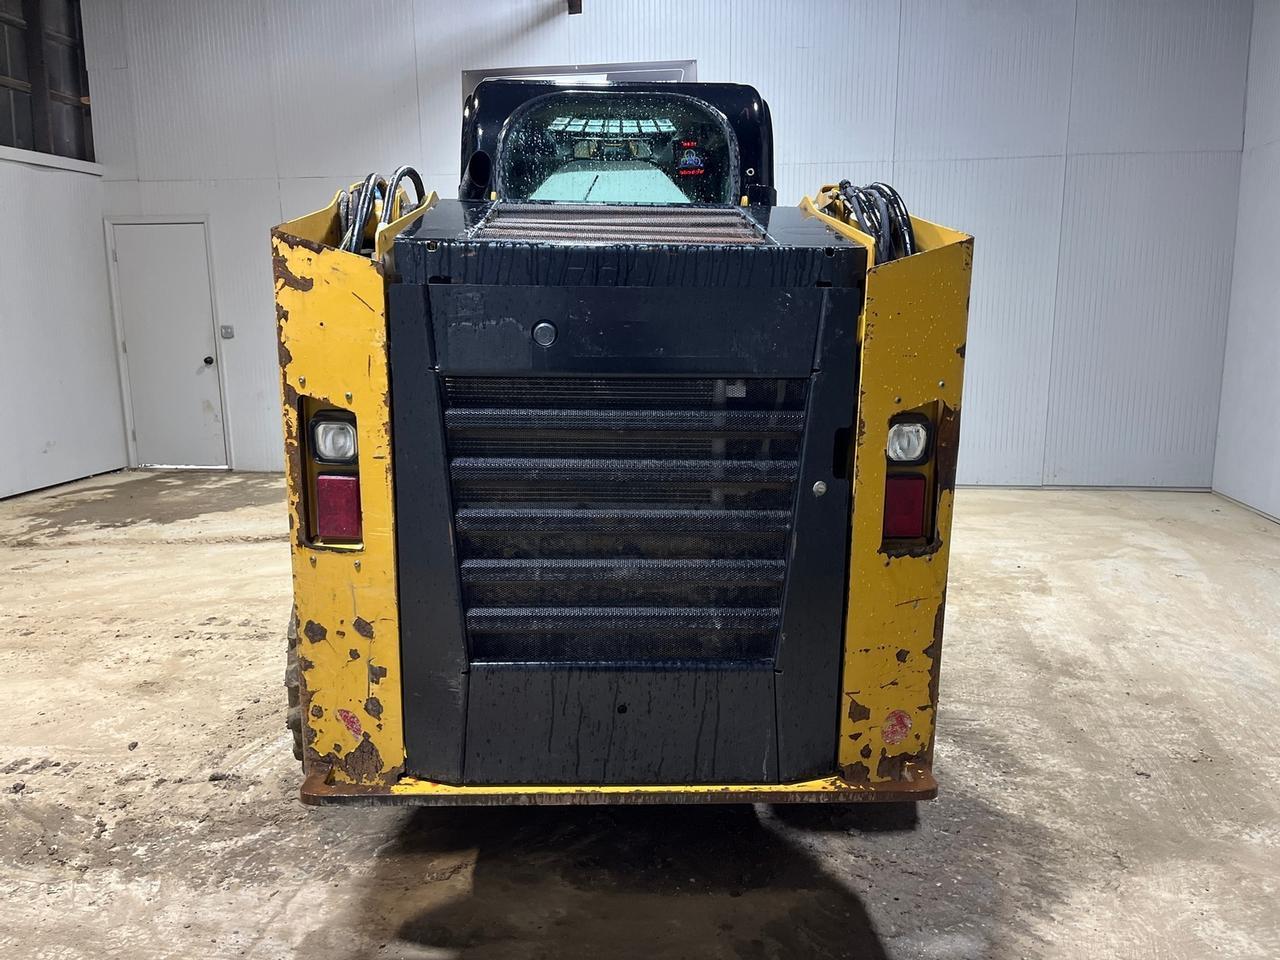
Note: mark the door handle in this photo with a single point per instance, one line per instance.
(208, 361)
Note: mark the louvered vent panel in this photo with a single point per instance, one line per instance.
(623, 519)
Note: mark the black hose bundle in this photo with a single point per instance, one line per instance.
(878, 210)
(357, 205)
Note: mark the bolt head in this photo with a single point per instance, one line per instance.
(819, 488)
(544, 334)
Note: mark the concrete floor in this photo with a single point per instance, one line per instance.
(1107, 755)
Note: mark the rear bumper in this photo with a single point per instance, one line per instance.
(319, 789)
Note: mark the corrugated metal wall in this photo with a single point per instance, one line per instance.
(1248, 455)
(1093, 148)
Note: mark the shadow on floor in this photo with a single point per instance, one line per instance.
(654, 882)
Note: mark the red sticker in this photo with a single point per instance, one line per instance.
(896, 727)
(352, 722)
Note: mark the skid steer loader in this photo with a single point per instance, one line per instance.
(612, 480)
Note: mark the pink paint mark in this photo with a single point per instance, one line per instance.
(896, 727)
(352, 722)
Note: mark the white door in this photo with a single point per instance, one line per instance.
(166, 314)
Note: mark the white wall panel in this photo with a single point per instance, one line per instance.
(59, 383)
(242, 213)
(302, 195)
(1247, 465)
(983, 78)
(114, 132)
(104, 26)
(501, 33)
(344, 86)
(831, 91)
(1140, 323)
(636, 30)
(1013, 208)
(200, 83)
(796, 180)
(964, 103)
(1262, 116)
(1153, 75)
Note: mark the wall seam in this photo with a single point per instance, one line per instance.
(1235, 249)
(1057, 278)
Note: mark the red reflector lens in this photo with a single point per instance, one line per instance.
(904, 505)
(337, 507)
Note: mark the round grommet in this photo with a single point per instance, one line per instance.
(544, 334)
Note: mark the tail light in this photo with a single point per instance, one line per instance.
(909, 477)
(904, 505)
(337, 507)
(334, 472)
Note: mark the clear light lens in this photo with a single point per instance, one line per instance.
(335, 440)
(907, 441)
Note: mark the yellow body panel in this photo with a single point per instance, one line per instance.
(912, 335)
(331, 315)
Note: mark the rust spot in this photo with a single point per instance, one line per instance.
(363, 627)
(894, 768)
(282, 317)
(290, 240)
(857, 712)
(856, 772)
(373, 707)
(314, 631)
(912, 548)
(351, 722)
(353, 653)
(960, 351)
(317, 711)
(948, 447)
(286, 276)
(305, 664)
(362, 764)
(902, 655)
(934, 653)
(865, 752)
(376, 673)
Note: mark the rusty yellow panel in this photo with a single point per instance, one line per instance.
(912, 335)
(330, 308)
(913, 338)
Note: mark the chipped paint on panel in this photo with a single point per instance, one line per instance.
(913, 339)
(332, 330)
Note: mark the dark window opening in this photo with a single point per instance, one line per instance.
(44, 85)
(612, 146)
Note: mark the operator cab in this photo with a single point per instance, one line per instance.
(622, 143)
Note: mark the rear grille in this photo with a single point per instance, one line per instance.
(600, 223)
(622, 519)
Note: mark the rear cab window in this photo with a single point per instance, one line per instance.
(618, 147)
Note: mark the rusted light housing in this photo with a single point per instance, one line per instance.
(904, 505)
(337, 511)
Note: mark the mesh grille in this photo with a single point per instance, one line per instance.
(622, 519)
(600, 223)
